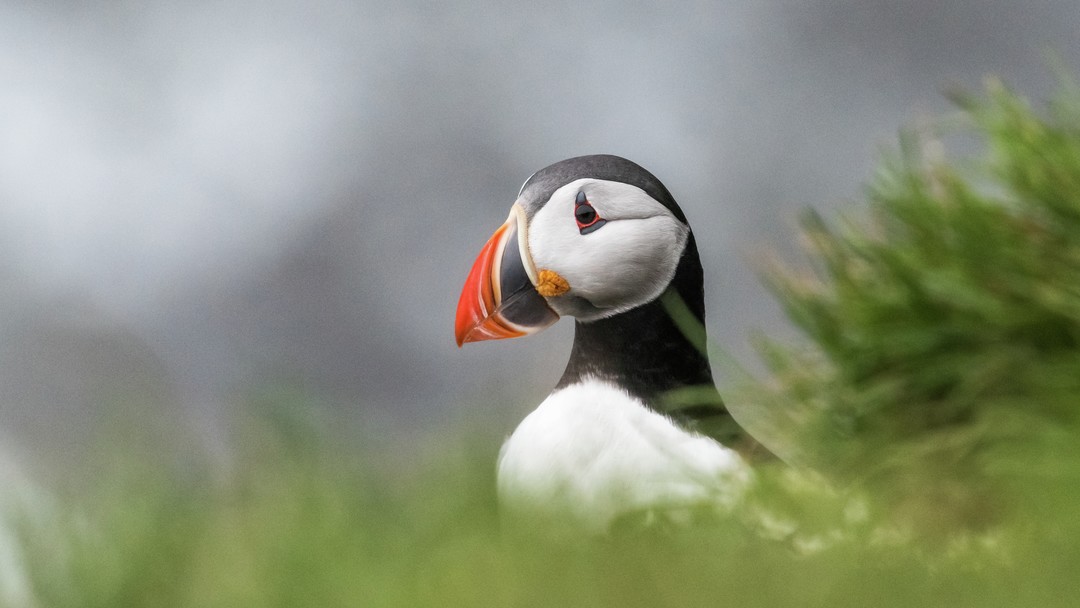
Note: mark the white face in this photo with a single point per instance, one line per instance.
(623, 264)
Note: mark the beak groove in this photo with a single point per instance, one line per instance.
(499, 299)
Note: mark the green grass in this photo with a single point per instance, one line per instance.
(936, 392)
(320, 526)
(945, 323)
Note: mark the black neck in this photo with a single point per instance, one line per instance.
(644, 350)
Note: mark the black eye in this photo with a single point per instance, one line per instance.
(585, 214)
(588, 220)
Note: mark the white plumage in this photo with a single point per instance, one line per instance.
(606, 455)
(626, 264)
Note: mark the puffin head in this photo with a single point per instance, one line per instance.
(590, 237)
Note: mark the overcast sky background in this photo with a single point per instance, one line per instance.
(203, 200)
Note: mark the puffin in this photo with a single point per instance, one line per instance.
(635, 432)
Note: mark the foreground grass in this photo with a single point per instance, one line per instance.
(318, 525)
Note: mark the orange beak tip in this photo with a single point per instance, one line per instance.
(482, 313)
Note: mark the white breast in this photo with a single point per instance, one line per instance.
(591, 453)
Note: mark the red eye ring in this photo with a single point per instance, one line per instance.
(588, 220)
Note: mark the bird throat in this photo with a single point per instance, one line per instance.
(649, 351)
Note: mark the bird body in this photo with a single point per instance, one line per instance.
(594, 451)
(601, 239)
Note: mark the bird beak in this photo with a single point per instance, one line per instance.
(499, 299)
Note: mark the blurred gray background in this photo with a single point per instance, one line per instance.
(201, 202)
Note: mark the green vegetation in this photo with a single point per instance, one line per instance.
(937, 391)
(945, 369)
